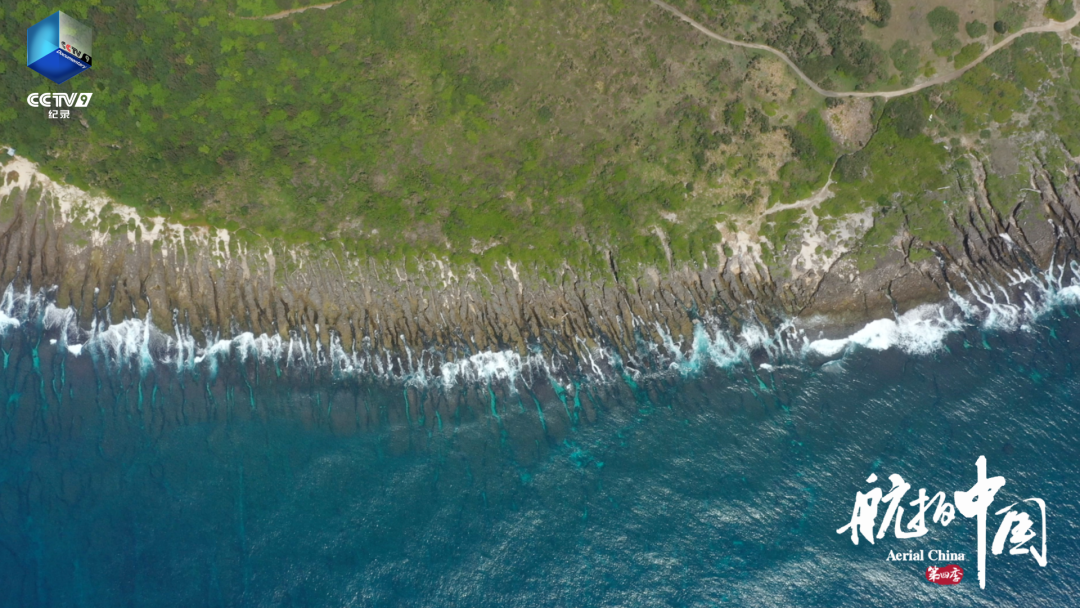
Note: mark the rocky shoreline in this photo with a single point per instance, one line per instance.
(105, 262)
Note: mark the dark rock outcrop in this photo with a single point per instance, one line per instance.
(214, 289)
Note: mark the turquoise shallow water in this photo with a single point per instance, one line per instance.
(148, 486)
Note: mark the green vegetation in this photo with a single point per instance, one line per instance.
(909, 148)
(883, 10)
(854, 45)
(979, 97)
(907, 116)
(975, 29)
(884, 175)
(477, 131)
(844, 56)
(946, 47)
(1059, 10)
(542, 133)
(943, 22)
(1011, 18)
(813, 153)
(904, 56)
(968, 54)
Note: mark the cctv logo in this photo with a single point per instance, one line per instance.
(59, 100)
(58, 47)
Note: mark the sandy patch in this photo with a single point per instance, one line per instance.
(866, 9)
(96, 214)
(745, 251)
(771, 79)
(850, 122)
(819, 249)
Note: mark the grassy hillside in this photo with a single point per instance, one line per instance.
(875, 44)
(396, 126)
(539, 131)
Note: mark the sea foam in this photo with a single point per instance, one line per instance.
(138, 344)
(920, 331)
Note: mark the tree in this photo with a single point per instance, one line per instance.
(908, 116)
(946, 46)
(884, 12)
(904, 56)
(1059, 10)
(943, 21)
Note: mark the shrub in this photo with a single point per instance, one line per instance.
(1013, 16)
(968, 54)
(907, 116)
(884, 12)
(904, 56)
(851, 168)
(1059, 10)
(975, 29)
(944, 47)
(943, 21)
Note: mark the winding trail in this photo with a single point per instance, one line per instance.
(1053, 26)
(292, 11)
(823, 194)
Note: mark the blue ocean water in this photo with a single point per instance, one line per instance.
(256, 485)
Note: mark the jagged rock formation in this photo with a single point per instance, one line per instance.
(190, 277)
(993, 248)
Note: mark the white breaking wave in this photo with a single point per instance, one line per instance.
(919, 331)
(7, 323)
(138, 344)
(923, 330)
(6, 305)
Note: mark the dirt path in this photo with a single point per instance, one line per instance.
(823, 194)
(283, 14)
(1053, 26)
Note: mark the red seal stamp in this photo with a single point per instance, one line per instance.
(946, 575)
